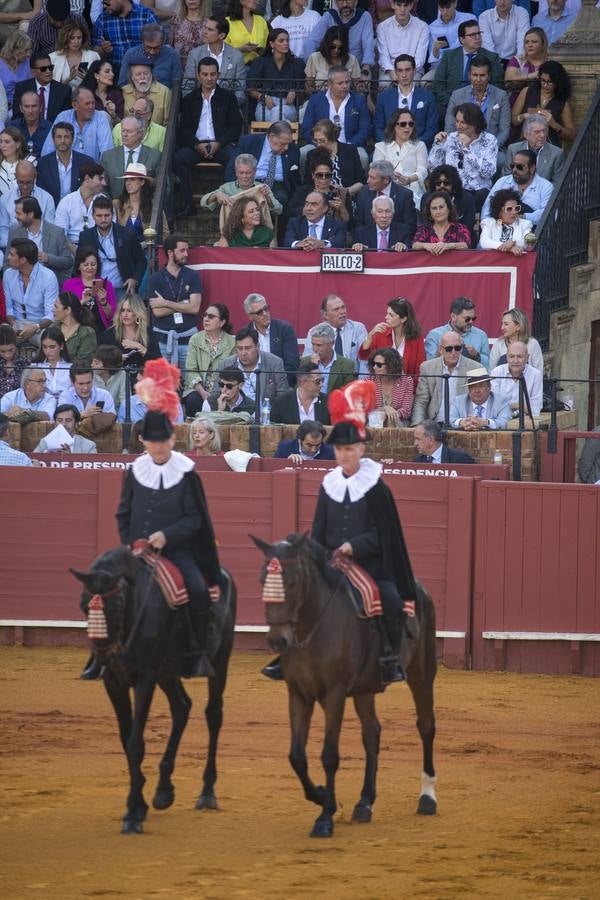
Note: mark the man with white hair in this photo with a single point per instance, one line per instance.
(380, 184)
(31, 402)
(142, 83)
(550, 159)
(166, 61)
(383, 233)
(26, 186)
(506, 379)
(154, 134)
(349, 335)
(337, 371)
(245, 180)
(274, 335)
(133, 152)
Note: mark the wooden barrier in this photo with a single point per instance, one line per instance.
(536, 601)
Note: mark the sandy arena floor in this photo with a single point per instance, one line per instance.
(518, 764)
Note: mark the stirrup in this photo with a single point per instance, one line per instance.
(273, 670)
(391, 670)
(92, 670)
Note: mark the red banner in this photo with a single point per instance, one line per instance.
(294, 286)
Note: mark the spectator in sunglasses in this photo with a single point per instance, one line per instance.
(533, 190)
(231, 397)
(448, 359)
(206, 349)
(476, 344)
(408, 155)
(446, 178)
(505, 230)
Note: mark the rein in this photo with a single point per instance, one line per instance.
(301, 645)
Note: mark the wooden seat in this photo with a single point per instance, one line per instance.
(261, 127)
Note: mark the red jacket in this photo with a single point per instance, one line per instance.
(414, 352)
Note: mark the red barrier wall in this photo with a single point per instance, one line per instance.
(293, 284)
(536, 603)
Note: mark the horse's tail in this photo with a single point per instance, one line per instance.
(424, 653)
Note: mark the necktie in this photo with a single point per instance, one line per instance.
(270, 176)
(312, 230)
(130, 158)
(430, 459)
(468, 59)
(338, 342)
(479, 412)
(42, 96)
(383, 240)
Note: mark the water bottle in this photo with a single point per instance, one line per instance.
(497, 458)
(265, 412)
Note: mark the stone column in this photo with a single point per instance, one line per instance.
(578, 50)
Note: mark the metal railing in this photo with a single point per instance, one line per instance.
(164, 181)
(563, 230)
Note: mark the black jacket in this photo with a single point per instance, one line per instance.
(47, 173)
(59, 98)
(449, 455)
(226, 116)
(285, 409)
(131, 260)
(284, 344)
(349, 164)
(367, 235)
(404, 206)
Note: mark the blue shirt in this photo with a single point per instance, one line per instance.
(10, 457)
(108, 259)
(35, 303)
(46, 403)
(475, 337)
(166, 69)
(7, 209)
(138, 410)
(34, 142)
(98, 394)
(360, 35)
(263, 163)
(438, 29)
(554, 28)
(93, 139)
(536, 195)
(123, 32)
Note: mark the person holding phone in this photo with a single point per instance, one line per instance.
(443, 33)
(73, 55)
(97, 294)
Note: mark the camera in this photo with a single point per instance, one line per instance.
(330, 195)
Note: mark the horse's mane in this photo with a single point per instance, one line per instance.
(312, 553)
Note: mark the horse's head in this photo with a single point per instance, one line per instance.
(110, 577)
(285, 577)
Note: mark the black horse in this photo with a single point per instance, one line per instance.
(329, 653)
(145, 644)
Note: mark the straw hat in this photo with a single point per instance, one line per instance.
(135, 170)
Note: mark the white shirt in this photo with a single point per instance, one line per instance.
(298, 28)
(135, 154)
(57, 379)
(508, 388)
(338, 115)
(405, 100)
(72, 215)
(393, 39)
(305, 416)
(64, 175)
(504, 36)
(206, 129)
(264, 340)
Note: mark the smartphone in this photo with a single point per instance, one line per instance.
(83, 66)
(96, 284)
(443, 40)
(100, 404)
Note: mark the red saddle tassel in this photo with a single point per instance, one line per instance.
(97, 628)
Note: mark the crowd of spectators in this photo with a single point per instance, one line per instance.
(401, 126)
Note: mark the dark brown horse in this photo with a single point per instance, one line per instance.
(328, 653)
(146, 641)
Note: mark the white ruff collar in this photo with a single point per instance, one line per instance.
(335, 484)
(149, 474)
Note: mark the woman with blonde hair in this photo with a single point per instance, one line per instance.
(130, 332)
(73, 54)
(14, 62)
(515, 327)
(204, 438)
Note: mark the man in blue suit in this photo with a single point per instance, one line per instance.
(404, 95)
(278, 160)
(59, 183)
(315, 230)
(354, 122)
(479, 409)
(429, 439)
(274, 335)
(383, 233)
(379, 183)
(308, 444)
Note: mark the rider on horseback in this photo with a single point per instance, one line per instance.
(356, 517)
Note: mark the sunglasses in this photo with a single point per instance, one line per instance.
(456, 347)
(546, 81)
(210, 316)
(322, 174)
(470, 318)
(405, 124)
(443, 181)
(512, 208)
(461, 160)
(520, 167)
(262, 311)
(377, 365)
(228, 385)
(43, 68)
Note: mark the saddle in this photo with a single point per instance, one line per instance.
(362, 588)
(167, 575)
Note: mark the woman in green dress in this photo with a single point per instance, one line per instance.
(245, 226)
(75, 322)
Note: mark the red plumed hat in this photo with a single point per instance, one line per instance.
(157, 387)
(352, 405)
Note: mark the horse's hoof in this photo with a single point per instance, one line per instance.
(163, 799)
(132, 826)
(427, 806)
(362, 813)
(322, 829)
(207, 801)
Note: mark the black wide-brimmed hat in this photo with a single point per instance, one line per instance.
(344, 434)
(156, 426)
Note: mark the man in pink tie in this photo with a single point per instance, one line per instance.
(383, 233)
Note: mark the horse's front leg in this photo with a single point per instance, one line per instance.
(214, 721)
(371, 730)
(118, 693)
(136, 805)
(180, 706)
(333, 707)
(301, 711)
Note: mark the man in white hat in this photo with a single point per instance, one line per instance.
(479, 408)
(133, 152)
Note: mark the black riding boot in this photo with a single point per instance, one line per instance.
(390, 628)
(93, 669)
(196, 663)
(273, 670)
